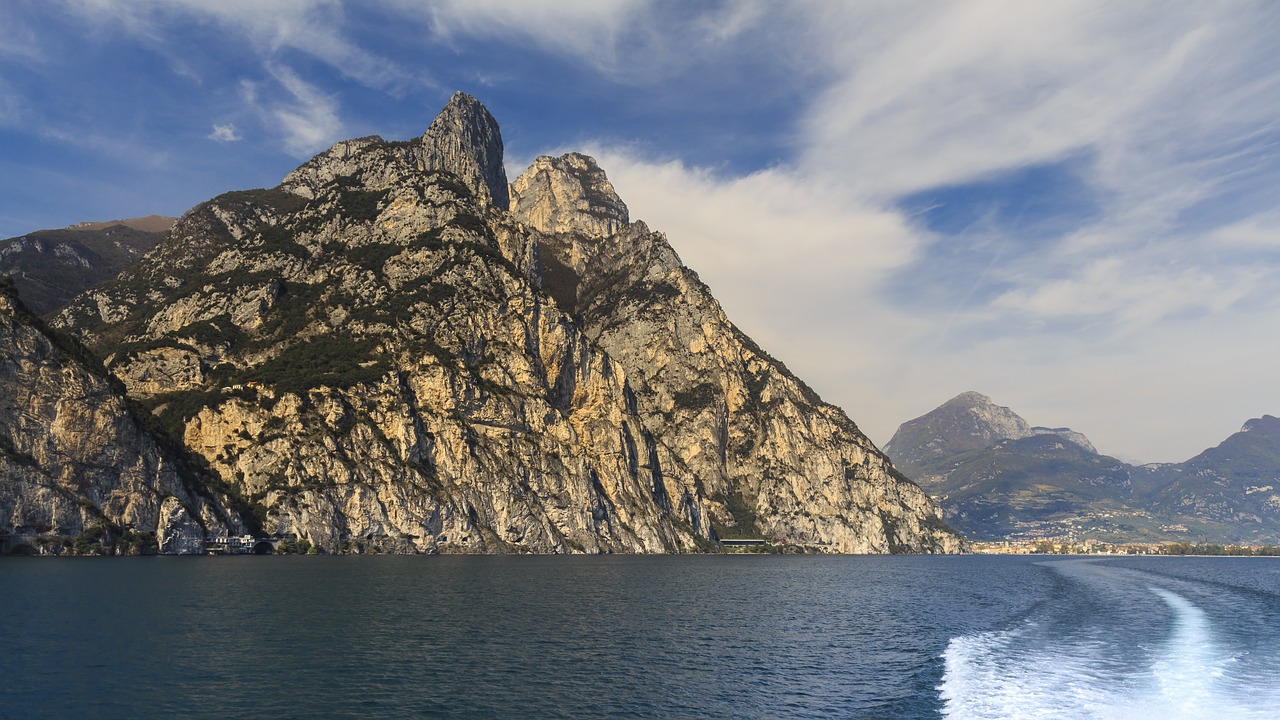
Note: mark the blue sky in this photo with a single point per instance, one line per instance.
(1070, 207)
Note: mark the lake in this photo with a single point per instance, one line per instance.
(731, 636)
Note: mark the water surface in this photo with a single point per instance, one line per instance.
(639, 637)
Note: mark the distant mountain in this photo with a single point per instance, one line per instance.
(50, 267)
(149, 223)
(969, 421)
(1035, 482)
(1233, 488)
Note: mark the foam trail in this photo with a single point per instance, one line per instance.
(1188, 670)
(1035, 672)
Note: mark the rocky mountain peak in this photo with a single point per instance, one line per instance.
(568, 194)
(1066, 434)
(464, 139)
(376, 357)
(1267, 423)
(969, 421)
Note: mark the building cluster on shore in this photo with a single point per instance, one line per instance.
(1065, 546)
(237, 545)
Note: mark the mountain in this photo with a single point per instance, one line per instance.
(50, 267)
(1040, 485)
(80, 472)
(1028, 482)
(1232, 489)
(969, 421)
(396, 351)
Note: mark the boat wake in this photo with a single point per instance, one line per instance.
(1084, 661)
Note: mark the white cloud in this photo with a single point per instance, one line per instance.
(1257, 232)
(309, 27)
(586, 29)
(308, 120)
(1144, 332)
(17, 40)
(633, 42)
(225, 133)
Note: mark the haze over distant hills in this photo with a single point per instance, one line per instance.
(996, 477)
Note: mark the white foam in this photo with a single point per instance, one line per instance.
(1027, 673)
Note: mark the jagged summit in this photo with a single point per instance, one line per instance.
(464, 139)
(968, 421)
(568, 194)
(1066, 434)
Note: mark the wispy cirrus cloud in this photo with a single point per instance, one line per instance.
(313, 28)
(306, 116)
(280, 37)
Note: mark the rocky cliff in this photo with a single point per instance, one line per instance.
(384, 359)
(78, 472)
(768, 455)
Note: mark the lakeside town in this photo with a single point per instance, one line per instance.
(1069, 546)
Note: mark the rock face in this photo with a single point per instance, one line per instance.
(1066, 434)
(384, 359)
(1051, 482)
(568, 195)
(78, 473)
(968, 421)
(768, 455)
(464, 140)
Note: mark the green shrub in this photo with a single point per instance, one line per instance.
(331, 360)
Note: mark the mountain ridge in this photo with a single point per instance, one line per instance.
(1034, 485)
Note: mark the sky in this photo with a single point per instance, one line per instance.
(1071, 207)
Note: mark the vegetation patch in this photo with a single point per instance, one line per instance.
(361, 205)
(372, 256)
(744, 519)
(448, 181)
(697, 398)
(279, 239)
(274, 199)
(339, 361)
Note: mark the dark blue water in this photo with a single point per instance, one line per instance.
(639, 637)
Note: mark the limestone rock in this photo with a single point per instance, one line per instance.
(568, 194)
(464, 140)
(78, 472)
(177, 533)
(1066, 434)
(771, 458)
